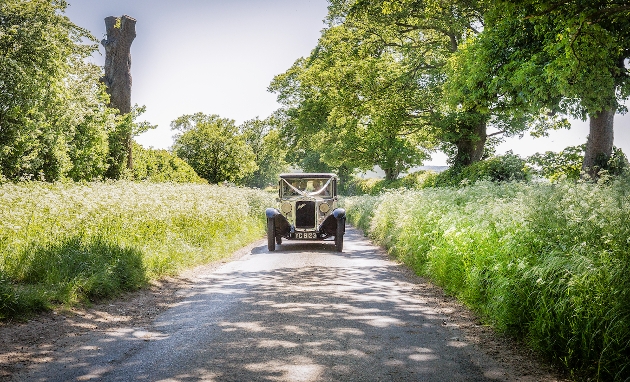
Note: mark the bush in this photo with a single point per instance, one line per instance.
(508, 167)
(161, 166)
(416, 180)
(553, 166)
(568, 163)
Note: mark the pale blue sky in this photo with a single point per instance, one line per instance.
(210, 56)
(218, 57)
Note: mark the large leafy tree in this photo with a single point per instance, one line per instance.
(86, 123)
(351, 101)
(426, 34)
(303, 114)
(269, 152)
(213, 147)
(53, 122)
(376, 81)
(429, 34)
(563, 56)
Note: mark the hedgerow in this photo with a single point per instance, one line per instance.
(67, 243)
(547, 263)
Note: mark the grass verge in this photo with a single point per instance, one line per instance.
(549, 263)
(73, 243)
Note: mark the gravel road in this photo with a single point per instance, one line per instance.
(301, 313)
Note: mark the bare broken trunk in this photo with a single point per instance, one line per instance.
(599, 144)
(121, 31)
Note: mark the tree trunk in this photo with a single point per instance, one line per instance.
(471, 145)
(121, 31)
(599, 143)
(391, 173)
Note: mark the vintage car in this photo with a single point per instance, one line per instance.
(307, 210)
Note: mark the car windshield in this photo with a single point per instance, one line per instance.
(307, 187)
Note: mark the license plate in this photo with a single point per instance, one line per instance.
(305, 235)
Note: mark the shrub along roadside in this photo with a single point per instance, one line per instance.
(547, 263)
(72, 243)
(504, 168)
(416, 180)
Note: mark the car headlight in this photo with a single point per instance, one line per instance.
(324, 207)
(286, 207)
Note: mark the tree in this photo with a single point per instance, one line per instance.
(302, 115)
(213, 147)
(269, 154)
(568, 163)
(378, 79)
(161, 166)
(349, 102)
(53, 119)
(126, 127)
(426, 34)
(567, 57)
(430, 35)
(121, 31)
(92, 122)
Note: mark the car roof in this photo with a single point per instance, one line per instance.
(308, 175)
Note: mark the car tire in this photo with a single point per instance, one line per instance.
(271, 233)
(341, 229)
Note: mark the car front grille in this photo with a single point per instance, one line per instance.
(305, 214)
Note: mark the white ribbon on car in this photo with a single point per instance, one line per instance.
(306, 193)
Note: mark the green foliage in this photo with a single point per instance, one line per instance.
(567, 164)
(88, 146)
(52, 107)
(387, 84)
(504, 168)
(414, 181)
(213, 147)
(617, 163)
(118, 141)
(354, 103)
(71, 270)
(547, 263)
(269, 153)
(67, 243)
(544, 58)
(533, 55)
(161, 166)
(140, 127)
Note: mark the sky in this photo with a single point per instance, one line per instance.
(219, 56)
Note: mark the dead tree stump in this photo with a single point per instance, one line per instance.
(121, 31)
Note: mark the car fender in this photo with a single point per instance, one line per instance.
(271, 213)
(339, 213)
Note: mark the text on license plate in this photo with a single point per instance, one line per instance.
(305, 235)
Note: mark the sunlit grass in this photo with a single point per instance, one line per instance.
(67, 243)
(548, 263)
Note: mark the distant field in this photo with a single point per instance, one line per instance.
(66, 243)
(548, 263)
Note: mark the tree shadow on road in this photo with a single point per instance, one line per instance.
(318, 316)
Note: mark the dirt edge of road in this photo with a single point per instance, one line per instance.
(23, 344)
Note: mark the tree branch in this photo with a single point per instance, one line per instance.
(496, 133)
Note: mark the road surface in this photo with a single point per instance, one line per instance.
(301, 313)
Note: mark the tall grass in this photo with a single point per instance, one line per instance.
(66, 243)
(549, 263)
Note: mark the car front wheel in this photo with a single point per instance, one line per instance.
(271, 233)
(341, 228)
